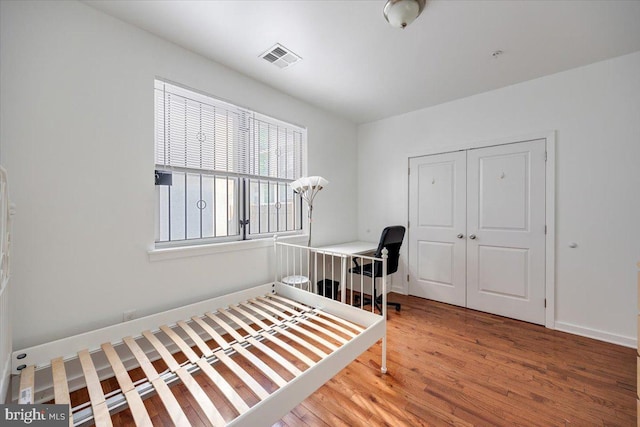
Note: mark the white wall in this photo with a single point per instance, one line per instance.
(77, 141)
(596, 112)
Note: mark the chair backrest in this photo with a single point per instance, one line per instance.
(391, 238)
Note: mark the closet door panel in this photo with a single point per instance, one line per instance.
(437, 206)
(506, 227)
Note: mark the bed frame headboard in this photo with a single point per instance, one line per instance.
(6, 210)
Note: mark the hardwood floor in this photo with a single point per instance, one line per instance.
(452, 366)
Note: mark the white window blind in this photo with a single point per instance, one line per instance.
(195, 131)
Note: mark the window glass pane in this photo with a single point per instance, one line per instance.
(290, 209)
(254, 207)
(281, 206)
(193, 203)
(273, 213)
(163, 213)
(208, 195)
(232, 207)
(299, 211)
(264, 207)
(176, 206)
(221, 207)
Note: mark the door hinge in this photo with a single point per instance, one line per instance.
(407, 277)
(545, 229)
(408, 171)
(545, 156)
(545, 303)
(408, 224)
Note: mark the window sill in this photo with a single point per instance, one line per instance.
(214, 248)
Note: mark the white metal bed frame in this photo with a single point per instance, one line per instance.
(266, 318)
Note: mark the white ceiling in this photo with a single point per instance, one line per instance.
(358, 66)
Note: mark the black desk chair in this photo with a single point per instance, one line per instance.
(391, 239)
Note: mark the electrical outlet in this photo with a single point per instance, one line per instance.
(128, 315)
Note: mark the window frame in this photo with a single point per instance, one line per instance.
(243, 154)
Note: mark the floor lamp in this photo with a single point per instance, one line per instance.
(307, 187)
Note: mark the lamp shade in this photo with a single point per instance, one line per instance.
(308, 183)
(307, 187)
(400, 13)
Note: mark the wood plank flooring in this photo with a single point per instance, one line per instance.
(452, 366)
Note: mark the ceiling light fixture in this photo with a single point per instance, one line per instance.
(400, 13)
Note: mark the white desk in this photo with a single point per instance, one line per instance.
(343, 250)
(351, 248)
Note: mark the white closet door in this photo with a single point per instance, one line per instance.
(506, 230)
(437, 206)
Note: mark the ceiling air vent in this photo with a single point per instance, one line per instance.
(280, 56)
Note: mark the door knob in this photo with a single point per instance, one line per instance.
(460, 236)
(472, 236)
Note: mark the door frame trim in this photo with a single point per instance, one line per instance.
(550, 202)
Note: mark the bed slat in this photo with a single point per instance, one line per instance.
(210, 411)
(171, 362)
(251, 331)
(118, 368)
(313, 336)
(243, 375)
(251, 317)
(263, 367)
(290, 302)
(168, 399)
(60, 386)
(146, 365)
(274, 311)
(138, 410)
(285, 308)
(27, 376)
(101, 414)
(194, 388)
(269, 317)
(170, 403)
(224, 325)
(212, 333)
(340, 320)
(183, 346)
(315, 315)
(204, 348)
(281, 343)
(278, 358)
(295, 327)
(305, 344)
(297, 353)
(304, 310)
(307, 322)
(227, 389)
(269, 352)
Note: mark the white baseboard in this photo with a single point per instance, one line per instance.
(596, 334)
